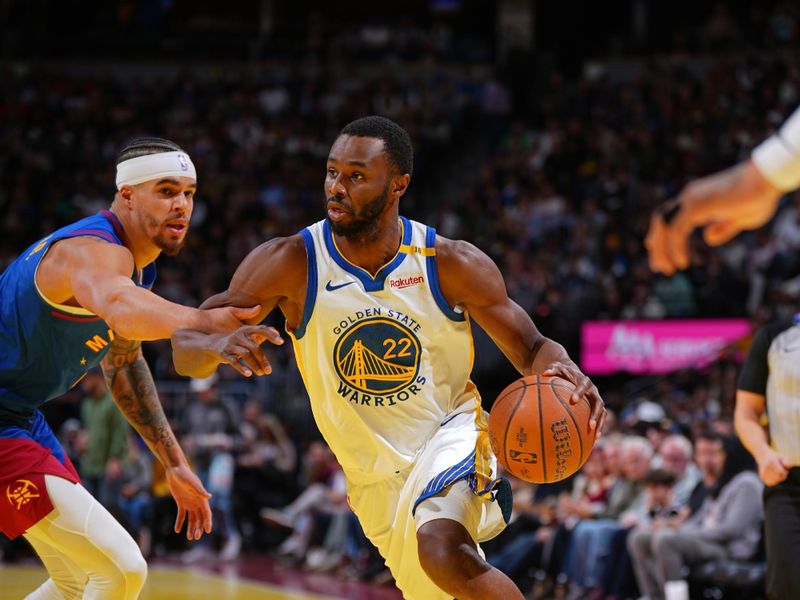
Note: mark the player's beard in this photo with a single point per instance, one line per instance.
(164, 241)
(168, 245)
(363, 225)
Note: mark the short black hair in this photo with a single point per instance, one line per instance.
(147, 145)
(395, 139)
(659, 477)
(706, 433)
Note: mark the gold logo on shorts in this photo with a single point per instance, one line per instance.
(377, 356)
(21, 492)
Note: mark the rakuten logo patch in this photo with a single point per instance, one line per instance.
(404, 282)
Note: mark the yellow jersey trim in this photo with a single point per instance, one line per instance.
(73, 310)
(407, 249)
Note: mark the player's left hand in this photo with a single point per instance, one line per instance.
(584, 388)
(192, 500)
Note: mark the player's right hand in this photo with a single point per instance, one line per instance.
(227, 318)
(242, 349)
(772, 468)
(723, 204)
(191, 499)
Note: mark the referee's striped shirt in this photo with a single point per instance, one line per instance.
(772, 369)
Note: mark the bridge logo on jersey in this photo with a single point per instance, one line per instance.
(20, 492)
(377, 356)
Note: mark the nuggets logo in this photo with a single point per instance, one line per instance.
(377, 356)
(21, 492)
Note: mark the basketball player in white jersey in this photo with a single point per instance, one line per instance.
(378, 308)
(729, 202)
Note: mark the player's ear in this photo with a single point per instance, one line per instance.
(126, 195)
(400, 184)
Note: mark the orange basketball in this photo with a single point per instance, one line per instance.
(536, 433)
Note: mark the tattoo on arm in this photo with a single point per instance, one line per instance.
(131, 383)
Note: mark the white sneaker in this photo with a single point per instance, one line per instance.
(198, 553)
(273, 516)
(319, 559)
(292, 546)
(676, 590)
(232, 547)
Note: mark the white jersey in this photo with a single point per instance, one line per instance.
(385, 360)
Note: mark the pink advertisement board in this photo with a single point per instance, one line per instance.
(655, 346)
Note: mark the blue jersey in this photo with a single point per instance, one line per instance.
(46, 348)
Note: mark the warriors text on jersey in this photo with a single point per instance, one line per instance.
(46, 348)
(385, 360)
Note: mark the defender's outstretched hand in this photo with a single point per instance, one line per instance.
(723, 205)
(584, 388)
(242, 349)
(192, 500)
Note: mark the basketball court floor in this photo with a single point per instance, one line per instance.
(252, 578)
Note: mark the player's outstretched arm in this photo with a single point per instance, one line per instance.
(727, 203)
(723, 205)
(131, 383)
(460, 265)
(274, 274)
(100, 280)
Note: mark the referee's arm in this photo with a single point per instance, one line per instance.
(751, 406)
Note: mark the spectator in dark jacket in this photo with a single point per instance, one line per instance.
(727, 525)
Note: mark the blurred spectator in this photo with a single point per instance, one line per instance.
(524, 544)
(134, 500)
(627, 506)
(325, 493)
(617, 579)
(727, 525)
(266, 467)
(675, 457)
(107, 440)
(73, 439)
(210, 430)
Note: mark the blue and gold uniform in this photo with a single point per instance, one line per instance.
(45, 349)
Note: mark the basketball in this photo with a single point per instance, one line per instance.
(537, 435)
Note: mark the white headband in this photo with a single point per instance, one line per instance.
(155, 166)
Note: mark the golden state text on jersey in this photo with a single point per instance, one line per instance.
(377, 356)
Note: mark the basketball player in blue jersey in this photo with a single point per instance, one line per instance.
(75, 299)
(378, 308)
